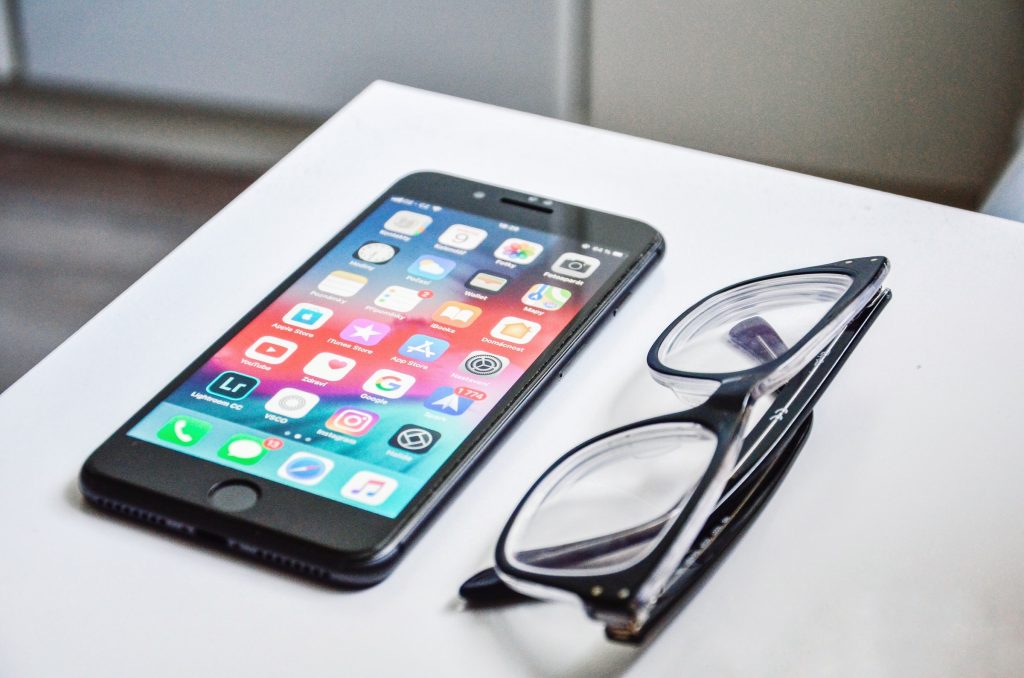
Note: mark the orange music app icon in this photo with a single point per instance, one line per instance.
(457, 314)
(369, 488)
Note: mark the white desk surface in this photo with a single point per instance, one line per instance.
(893, 548)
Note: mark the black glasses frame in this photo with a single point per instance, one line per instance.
(742, 478)
(766, 459)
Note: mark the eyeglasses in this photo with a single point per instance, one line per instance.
(629, 522)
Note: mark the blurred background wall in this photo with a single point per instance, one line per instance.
(6, 47)
(126, 124)
(918, 97)
(911, 96)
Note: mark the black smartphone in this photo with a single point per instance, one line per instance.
(322, 430)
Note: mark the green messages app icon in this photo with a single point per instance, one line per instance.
(182, 430)
(243, 449)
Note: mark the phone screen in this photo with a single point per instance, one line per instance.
(368, 373)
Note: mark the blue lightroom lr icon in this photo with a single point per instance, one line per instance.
(232, 385)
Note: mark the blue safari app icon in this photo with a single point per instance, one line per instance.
(305, 468)
(431, 267)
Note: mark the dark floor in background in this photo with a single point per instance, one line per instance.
(76, 230)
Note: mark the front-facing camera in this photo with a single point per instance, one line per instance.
(479, 195)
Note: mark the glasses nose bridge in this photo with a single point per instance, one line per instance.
(726, 407)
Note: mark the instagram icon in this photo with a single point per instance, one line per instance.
(351, 421)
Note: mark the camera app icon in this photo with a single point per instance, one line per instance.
(576, 265)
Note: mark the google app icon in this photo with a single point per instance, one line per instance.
(389, 383)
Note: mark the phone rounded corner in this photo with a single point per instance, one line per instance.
(90, 477)
(365, 569)
(656, 239)
(660, 244)
(416, 177)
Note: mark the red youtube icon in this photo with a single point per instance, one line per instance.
(271, 350)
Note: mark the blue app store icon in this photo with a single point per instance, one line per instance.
(423, 348)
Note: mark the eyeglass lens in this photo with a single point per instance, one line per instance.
(750, 325)
(625, 485)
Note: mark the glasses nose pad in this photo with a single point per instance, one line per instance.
(754, 336)
(757, 338)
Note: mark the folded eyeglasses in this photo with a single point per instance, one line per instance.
(631, 521)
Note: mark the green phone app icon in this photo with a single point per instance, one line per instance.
(243, 449)
(182, 430)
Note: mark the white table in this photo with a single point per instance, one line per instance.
(893, 548)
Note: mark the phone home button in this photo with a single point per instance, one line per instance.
(234, 495)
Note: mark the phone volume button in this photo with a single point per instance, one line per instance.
(620, 302)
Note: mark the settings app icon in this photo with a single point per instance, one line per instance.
(413, 438)
(484, 364)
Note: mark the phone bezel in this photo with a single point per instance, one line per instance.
(318, 529)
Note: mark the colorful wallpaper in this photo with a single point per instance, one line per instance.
(364, 377)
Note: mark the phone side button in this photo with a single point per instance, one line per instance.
(234, 495)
